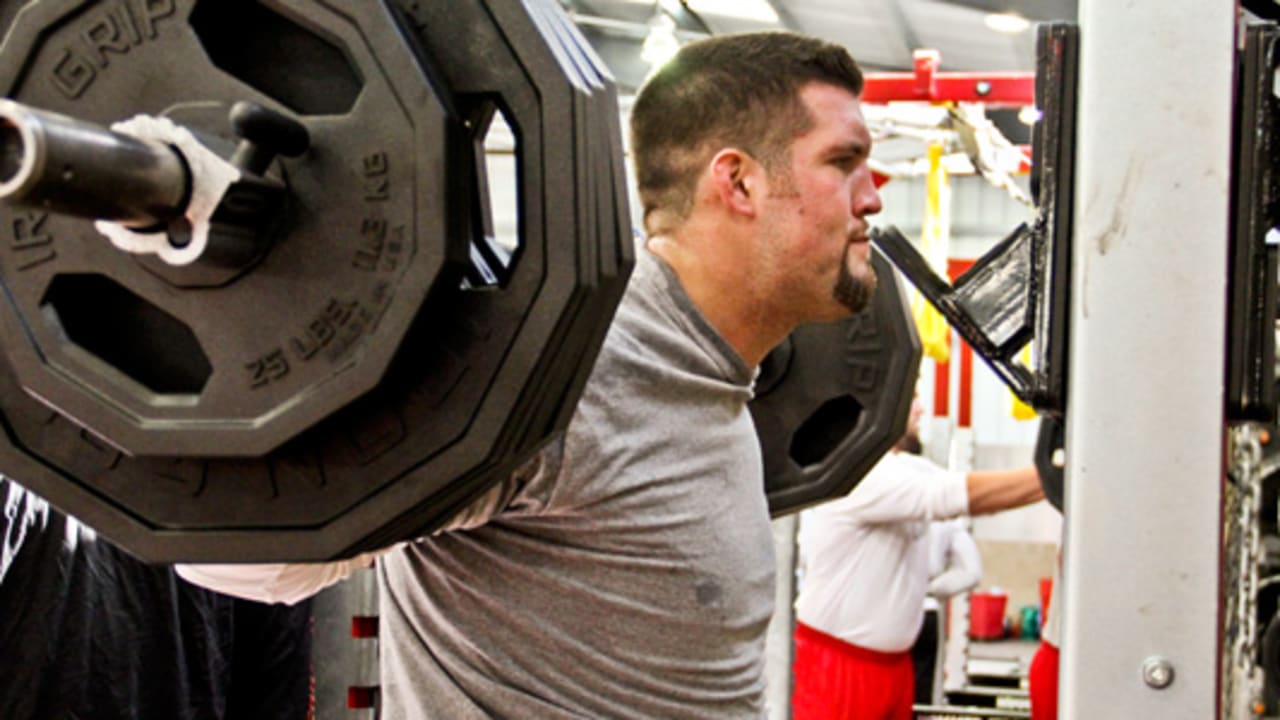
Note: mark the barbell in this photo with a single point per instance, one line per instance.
(255, 307)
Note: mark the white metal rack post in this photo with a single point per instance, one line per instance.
(1144, 415)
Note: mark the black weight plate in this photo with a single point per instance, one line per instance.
(577, 353)
(485, 345)
(168, 507)
(835, 397)
(435, 432)
(1251, 309)
(236, 369)
(1050, 458)
(556, 369)
(617, 261)
(546, 393)
(507, 57)
(615, 248)
(9, 9)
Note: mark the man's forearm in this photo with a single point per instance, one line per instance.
(995, 490)
(287, 583)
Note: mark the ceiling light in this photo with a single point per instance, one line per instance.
(1007, 23)
(755, 10)
(1029, 115)
(660, 45)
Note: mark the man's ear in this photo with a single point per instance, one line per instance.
(734, 176)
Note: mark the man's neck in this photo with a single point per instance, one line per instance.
(722, 289)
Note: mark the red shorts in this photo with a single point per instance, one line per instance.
(838, 681)
(1042, 678)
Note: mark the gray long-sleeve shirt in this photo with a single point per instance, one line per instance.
(628, 572)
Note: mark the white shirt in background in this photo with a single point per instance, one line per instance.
(865, 557)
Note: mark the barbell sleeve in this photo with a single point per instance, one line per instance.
(74, 167)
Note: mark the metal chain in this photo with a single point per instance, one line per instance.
(1242, 682)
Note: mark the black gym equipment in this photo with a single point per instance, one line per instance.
(1255, 231)
(1269, 661)
(833, 398)
(337, 266)
(1265, 9)
(1050, 458)
(255, 306)
(1251, 390)
(1018, 292)
(375, 361)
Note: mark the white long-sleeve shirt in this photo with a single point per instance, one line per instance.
(954, 562)
(865, 556)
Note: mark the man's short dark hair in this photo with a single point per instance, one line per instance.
(728, 91)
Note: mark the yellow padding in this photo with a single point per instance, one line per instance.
(935, 236)
(1021, 410)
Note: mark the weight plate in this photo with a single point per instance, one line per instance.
(453, 411)
(835, 397)
(241, 367)
(1050, 458)
(585, 329)
(555, 276)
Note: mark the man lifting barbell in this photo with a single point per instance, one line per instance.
(628, 570)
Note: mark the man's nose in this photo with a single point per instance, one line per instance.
(866, 197)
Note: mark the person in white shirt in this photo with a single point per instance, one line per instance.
(865, 561)
(955, 566)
